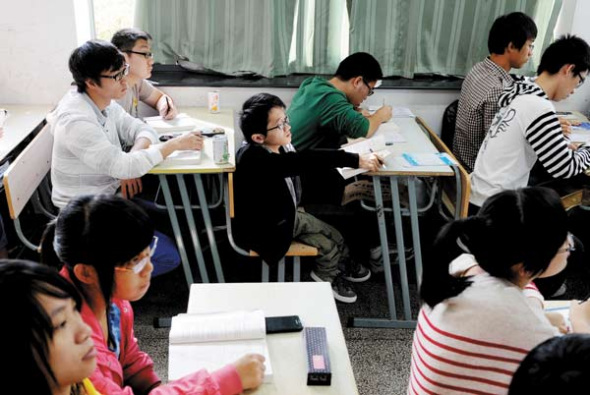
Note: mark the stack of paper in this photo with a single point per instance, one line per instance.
(182, 123)
(211, 341)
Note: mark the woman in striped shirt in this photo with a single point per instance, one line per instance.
(478, 320)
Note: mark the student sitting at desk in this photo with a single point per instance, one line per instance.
(481, 313)
(103, 245)
(510, 43)
(46, 341)
(136, 47)
(526, 127)
(91, 132)
(267, 193)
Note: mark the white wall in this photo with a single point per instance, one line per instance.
(37, 38)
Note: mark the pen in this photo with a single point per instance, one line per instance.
(167, 105)
(381, 161)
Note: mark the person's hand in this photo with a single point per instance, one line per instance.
(250, 368)
(131, 187)
(189, 141)
(384, 113)
(566, 126)
(558, 321)
(167, 109)
(371, 162)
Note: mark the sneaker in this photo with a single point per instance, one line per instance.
(356, 273)
(341, 290)
(376, 257)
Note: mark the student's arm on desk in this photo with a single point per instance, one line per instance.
(383, 114)
(186, 141)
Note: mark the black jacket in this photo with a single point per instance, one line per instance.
(264, 207)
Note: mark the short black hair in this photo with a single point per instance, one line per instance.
(567, 49)
(254, 115)
(125, 39)
(91, 59)
(359, 64)
(515, 28)
(560, 365)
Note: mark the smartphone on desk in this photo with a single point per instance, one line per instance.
(283, 324)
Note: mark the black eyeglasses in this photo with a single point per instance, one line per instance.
(582, 80)
(147, 55)
(371, 90)
(280, 126)
(119, 76)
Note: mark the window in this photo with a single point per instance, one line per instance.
(112, 15)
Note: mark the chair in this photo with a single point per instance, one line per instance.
(23, 178)
(447, 133)
(296, 250)
(458, 204)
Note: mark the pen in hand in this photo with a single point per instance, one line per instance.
(167, 105)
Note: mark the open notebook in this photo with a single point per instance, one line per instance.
(211, 341)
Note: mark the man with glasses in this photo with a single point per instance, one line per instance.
(136, 47)
(91, 133)
(510, 43)
(526, 127)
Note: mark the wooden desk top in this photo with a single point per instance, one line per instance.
(417, 142)
(313, 302)
(223, 119)
(21, 121)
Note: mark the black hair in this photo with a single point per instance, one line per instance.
(515, 28)
(567, 49)
(103, 231)
(93, 58)
(125, 39)
(28, 330)
(254, 114)
(359, 64)
(560, 365)
(525, 226)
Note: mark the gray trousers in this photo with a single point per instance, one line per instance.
(329, 242)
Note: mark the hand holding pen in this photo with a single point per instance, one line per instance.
(168, 111)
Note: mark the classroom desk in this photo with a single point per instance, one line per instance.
(313, 302)
(417, 141)
(22, 121)
(225, 120)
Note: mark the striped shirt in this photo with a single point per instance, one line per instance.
(525, 129)
(478, 104)
(474, 342)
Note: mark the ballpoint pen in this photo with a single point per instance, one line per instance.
(167, 105)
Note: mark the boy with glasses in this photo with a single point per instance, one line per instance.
(267, 195)
(526, 127)
(136, 47)
(510, 43)
(90, 132)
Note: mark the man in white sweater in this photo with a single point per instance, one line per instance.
(526, 127)
(92, 132)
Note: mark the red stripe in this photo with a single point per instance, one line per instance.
(415, 368)
(461, 376)
(450, 387)
(469, 353)
(507, 372)
(473, 341)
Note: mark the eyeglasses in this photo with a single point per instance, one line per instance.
(120, 75)
(371, 90)
(280, 126)
(531, 47)
(570, 245)
(138, 266)
(147, 55)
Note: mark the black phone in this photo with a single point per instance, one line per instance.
(291, 323)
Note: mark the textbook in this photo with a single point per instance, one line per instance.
(211, 341)
(182, 123)
(182, 158)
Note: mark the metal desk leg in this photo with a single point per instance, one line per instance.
(209, 227)
(188, 211)
(415, 228)
(401, 250)
(177, 235)
(380, 322)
